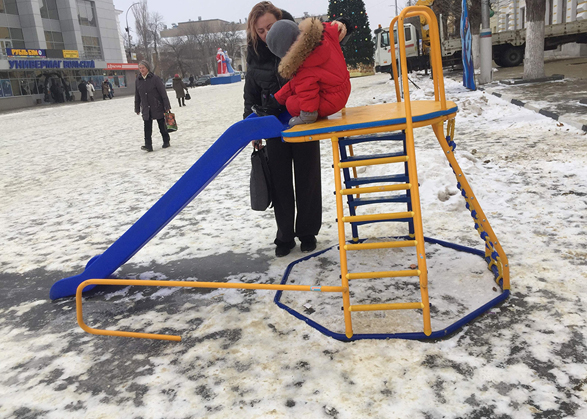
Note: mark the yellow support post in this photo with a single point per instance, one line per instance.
(346, 299)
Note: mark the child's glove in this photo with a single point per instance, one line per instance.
(304, 118)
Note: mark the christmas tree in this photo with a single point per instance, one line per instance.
(359, 48)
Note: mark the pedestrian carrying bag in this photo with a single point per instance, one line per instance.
(170, 121)
(187, 96)
(260, 180)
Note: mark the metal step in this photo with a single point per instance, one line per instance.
(398, 136)
(397, 178)
(378, 217)
(372, 156)
(400, 198)
(374, 189)
(381, 245)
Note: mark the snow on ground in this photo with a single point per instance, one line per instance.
(73, 179)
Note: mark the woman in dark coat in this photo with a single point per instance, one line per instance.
(151, 100)
(83, 90)
(261, 82)
(179, 87)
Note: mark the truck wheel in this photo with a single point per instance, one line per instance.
(497, 61)
(512, 57)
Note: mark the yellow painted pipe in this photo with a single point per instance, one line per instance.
(372, 162)
(375, 189)
(438, 130)
(183, 284)
(380, 245)
(377, 217)
(346, 298)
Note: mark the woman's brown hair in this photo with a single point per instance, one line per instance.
(257, 11)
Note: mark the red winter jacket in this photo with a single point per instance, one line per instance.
(319, 77)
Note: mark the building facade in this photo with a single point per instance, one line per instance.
(47, 47)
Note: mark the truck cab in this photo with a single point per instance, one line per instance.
(413, 42)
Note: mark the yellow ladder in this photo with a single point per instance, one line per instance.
(414, 216)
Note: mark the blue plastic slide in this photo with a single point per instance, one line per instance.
(212, 162)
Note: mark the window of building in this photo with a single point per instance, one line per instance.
(10, 38)
(54, 40)
(49, 9)
(8, 6)
(86, 13)
(92, 48)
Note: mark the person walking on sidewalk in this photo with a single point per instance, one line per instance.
(83, 89)
(105, 90)
(179, 87)
(91, 89)
(152, 101)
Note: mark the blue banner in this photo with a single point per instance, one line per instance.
(19, 52)
(468, 68)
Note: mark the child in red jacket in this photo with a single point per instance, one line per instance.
(312, 58)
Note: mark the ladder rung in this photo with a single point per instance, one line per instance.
(373, 189)
(374, 137)
(357, 157)
(380, 245)
(383, 274)
(392, 306)
(378, 217)
(357, 202)
(400, 177)
(372, 162)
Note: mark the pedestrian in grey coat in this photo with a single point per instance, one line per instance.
(151, 100)
(179, 87)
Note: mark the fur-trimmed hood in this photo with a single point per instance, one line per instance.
(310, 37)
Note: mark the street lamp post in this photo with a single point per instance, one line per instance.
(128, 31)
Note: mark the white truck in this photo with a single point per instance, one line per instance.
(508, 46)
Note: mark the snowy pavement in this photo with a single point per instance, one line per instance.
(73, 179)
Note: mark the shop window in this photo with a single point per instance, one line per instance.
(86, 13)
(49, 9)
(9, 7)
(54, 40)
(92, 48)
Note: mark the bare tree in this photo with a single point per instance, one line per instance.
(174, 56)
(231, 39)
(143, 29)
(203, 42)
(156, 25)
(534, 58)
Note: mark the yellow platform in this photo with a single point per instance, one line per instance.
(371, 119)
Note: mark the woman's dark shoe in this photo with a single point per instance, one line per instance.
(308, 243)
(283, 248)
(146, 148)
(165, 145)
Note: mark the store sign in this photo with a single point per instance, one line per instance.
(122, 66)
(15, 52)
(23, 64)
(68, 53)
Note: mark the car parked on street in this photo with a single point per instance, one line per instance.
(203, 80)
(169, 84)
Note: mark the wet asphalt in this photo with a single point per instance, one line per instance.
(562, 97)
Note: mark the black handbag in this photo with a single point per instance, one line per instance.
(187, 96)
(260, 180)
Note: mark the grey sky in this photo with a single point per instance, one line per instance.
(174, 11)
